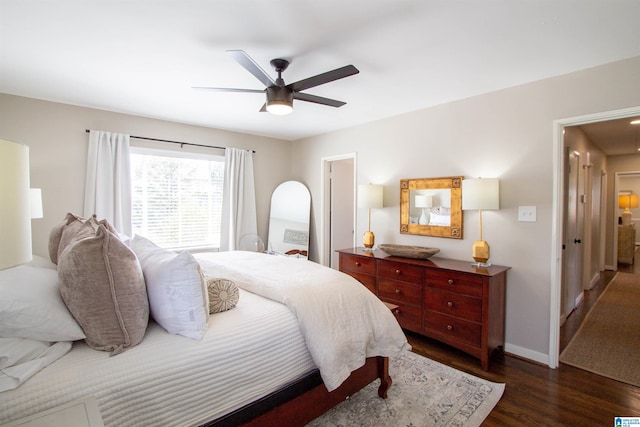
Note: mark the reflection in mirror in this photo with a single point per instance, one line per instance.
(431, 207)
(289, 220)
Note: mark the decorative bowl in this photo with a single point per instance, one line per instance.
(418, 252)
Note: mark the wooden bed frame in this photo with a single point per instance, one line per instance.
(306, 399)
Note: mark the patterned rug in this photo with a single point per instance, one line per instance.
(608, 341)
(424, 393)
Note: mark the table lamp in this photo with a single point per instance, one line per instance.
(479, 194)
(15, 206)
(626, 201)
(421, 201)
(369, 196)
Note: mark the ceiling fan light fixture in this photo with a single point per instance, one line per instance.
(279, 100)
(279, 108)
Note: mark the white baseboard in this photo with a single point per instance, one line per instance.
(579, 299)
(594, 280)
(526, 353)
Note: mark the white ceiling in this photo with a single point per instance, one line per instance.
(143, 57)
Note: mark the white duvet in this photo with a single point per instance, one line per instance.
(342, 322)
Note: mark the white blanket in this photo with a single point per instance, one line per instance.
(342, 322)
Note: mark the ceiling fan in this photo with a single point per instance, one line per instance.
(280, 96)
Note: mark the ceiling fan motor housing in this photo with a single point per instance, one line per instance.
(281, 96)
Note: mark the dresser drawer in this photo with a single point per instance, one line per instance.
(466, 284)
(458, 305)
(365, 279)
(400, 271)
(358, 264)
(400, 292)
(408, 316)
(453, 328)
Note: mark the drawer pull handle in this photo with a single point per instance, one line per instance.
(398, 272)
(450, 281)
(397, 291)
(449, 327)
(358, 264)
(450, 304)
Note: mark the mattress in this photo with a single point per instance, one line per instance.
(169, 380)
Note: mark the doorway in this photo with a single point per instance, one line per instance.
(338, 207)
(558, 219)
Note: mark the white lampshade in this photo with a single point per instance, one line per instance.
(15, 209)
(480, 193)
(422, 201)
(370, 196)
(35, 196)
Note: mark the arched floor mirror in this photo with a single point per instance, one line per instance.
(289, 220)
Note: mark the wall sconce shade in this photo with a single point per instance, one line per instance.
(15, 212)
(370, 196)
(479, 194)
(35, 199)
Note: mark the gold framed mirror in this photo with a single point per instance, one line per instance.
(431, 207)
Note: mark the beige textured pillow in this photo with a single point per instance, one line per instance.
(71, 229)
(104, 289)
(70, 221)
(223, 294)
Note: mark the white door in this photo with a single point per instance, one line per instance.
(342, 208)
(572, 245)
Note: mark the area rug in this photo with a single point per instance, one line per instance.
(424, 393)
(608, 341)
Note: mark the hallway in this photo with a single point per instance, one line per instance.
(575, 319)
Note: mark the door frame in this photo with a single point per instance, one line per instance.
(325, 203)
(557, 210)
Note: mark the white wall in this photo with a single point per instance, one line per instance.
(506, 134)
(55, 134)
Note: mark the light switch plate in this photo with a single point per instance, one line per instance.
(527, 213)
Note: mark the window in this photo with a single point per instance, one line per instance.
(177, 197)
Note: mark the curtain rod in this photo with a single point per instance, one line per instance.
(175, 142)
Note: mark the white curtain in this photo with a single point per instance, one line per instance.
(238, 199)
(107, 191)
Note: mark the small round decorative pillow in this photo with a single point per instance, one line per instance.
(223, 294)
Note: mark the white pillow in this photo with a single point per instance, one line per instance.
(39, 262)
(436, 219)
(176, 288)
(31, 306)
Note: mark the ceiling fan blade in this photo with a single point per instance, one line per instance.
(264, 108)
(323, 78)
(250, 65)
(317, 99)
(227, 89)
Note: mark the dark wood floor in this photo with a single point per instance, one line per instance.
(536, 395)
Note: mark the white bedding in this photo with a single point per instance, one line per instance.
(170, 380)
(342, 322)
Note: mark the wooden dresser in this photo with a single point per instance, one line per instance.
(445, 299)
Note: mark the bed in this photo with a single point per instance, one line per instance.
(301, 338)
